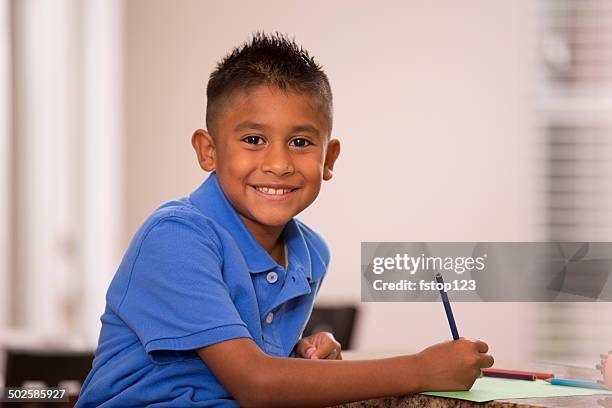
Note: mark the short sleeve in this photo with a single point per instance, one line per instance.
(176, 299)
(319, 285)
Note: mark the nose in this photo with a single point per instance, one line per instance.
(277, 160)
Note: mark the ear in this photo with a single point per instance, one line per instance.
(333, 151)
(204, 145)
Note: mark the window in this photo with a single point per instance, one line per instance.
(66, 165)
(574, 82)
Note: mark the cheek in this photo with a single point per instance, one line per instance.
(311, 167)
(608, 372)
(234, 161)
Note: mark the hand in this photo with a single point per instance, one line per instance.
(605, 367)
(320, 345)
(453, 365)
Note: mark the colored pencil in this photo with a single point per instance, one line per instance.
(541, 376)
(576, 383)
(513, 376)
(447, 308)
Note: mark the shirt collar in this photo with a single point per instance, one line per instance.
(299, 255)
(210, 199)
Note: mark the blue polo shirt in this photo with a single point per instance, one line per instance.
(193, 276)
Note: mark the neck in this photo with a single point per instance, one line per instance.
(270, 239)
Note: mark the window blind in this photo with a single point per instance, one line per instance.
(574, 111)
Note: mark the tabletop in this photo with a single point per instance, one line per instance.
(413, 401)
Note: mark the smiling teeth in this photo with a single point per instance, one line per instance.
(273, 191)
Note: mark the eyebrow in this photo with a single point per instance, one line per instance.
(258, 126)
(250, 125)
(306, 128)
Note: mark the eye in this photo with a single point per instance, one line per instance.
(300, 142)
(254, 140)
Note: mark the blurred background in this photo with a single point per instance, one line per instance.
(459, 121)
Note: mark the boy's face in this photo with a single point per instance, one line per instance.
(271, 152)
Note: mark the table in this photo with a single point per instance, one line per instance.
(414, 401)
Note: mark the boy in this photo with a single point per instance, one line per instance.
(209, 303)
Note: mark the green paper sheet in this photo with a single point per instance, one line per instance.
(489, 389)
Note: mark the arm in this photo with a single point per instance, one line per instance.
(256, 379)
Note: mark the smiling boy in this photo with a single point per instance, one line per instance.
(273, 154)
(213, 294)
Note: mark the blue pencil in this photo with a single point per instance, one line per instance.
(576, 383)
(447, 308)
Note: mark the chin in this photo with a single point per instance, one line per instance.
(273, 221)
(276, 223)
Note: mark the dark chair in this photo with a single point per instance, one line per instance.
(340, 321)
(48, 366)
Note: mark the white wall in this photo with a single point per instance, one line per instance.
(433, 108)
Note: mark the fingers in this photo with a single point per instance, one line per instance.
(333, 355)
(311, 353)
(486, 361)
(481, 346)
(305, 348)
(320, 345)
(327, 348)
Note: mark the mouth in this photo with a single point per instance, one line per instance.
(274, 192)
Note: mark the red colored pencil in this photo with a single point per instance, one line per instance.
(541, 376)
(513, 376)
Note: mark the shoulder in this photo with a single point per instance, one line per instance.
(175, 241)
(176, 232)
(177, 221)
(316, 242)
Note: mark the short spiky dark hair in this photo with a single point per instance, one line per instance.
(267, 59)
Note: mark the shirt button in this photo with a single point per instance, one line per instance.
(272, 277)
(269, 317)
